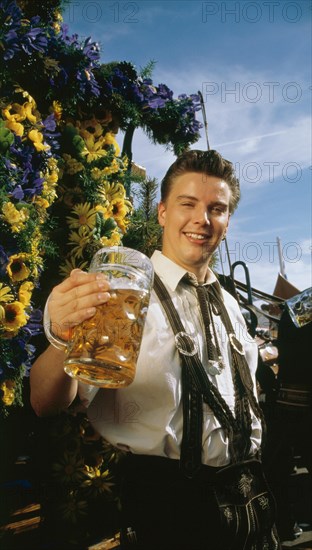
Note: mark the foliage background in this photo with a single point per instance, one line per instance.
(64, 183)
(66, 189)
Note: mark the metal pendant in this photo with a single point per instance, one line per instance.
(215, 367)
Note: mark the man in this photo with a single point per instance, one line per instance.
(162, 507)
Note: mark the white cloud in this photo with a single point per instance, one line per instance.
(273, 133)
(306, 246)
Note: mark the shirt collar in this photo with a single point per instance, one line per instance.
(172, 273)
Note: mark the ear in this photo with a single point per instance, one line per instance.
(226, 228)
(227, 225)
(161, 214)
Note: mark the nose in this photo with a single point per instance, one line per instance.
(202, 217)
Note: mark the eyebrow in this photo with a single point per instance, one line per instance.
(193, 198)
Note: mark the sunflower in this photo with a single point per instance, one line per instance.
(69, 265)
(113, 240)
(113, 190)
(79, 240)
(25, 293)
(72, 509)
(96, 173)
(85, 216)
(103, 210)
(112, 168)
(70, 469)
(14, 316)
(89, 128)
(110, 140)
(98, 482)
(16, 268)
(119, 208)
(8, 394)
(5, 293)
(70, 196)
(102, 198)
(93, 149)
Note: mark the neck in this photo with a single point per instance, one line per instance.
(202, 274)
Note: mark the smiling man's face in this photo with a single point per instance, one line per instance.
(195, 217)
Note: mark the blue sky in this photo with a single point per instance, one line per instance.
(251, 60)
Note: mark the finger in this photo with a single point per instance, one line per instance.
(75, 300)
(77, 278)
(62, 328)
(73, 310)
(75, 293)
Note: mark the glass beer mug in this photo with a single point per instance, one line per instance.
(103, 351)
(300, 308)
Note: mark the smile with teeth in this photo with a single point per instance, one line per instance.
(196, 236)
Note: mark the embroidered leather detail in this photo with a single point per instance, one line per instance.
(228, 514)
(264, 502)
(244, 484)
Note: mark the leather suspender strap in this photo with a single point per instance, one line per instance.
(190, 461)
(195, 384)
(191, 446)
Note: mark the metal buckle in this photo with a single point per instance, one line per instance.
(235, 343)
(183, 341)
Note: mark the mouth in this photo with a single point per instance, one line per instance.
(200, 237)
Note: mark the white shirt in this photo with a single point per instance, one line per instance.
(146, 416)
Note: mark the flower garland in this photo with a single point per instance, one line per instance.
(62, 180)
(30, 169)
(28, 179)
(92, 207)
(63, 195)
(137, 101)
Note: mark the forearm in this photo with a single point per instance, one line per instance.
(70, 303)
(51, 389)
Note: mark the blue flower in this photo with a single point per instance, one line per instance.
(156, 102)
(49, 123)
(91, 50)
(17, 35)
(164, 92)
(50, 134)
(34, 39)
(18, 193)
(10, 45)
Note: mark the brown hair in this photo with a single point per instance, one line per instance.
(210, 163)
